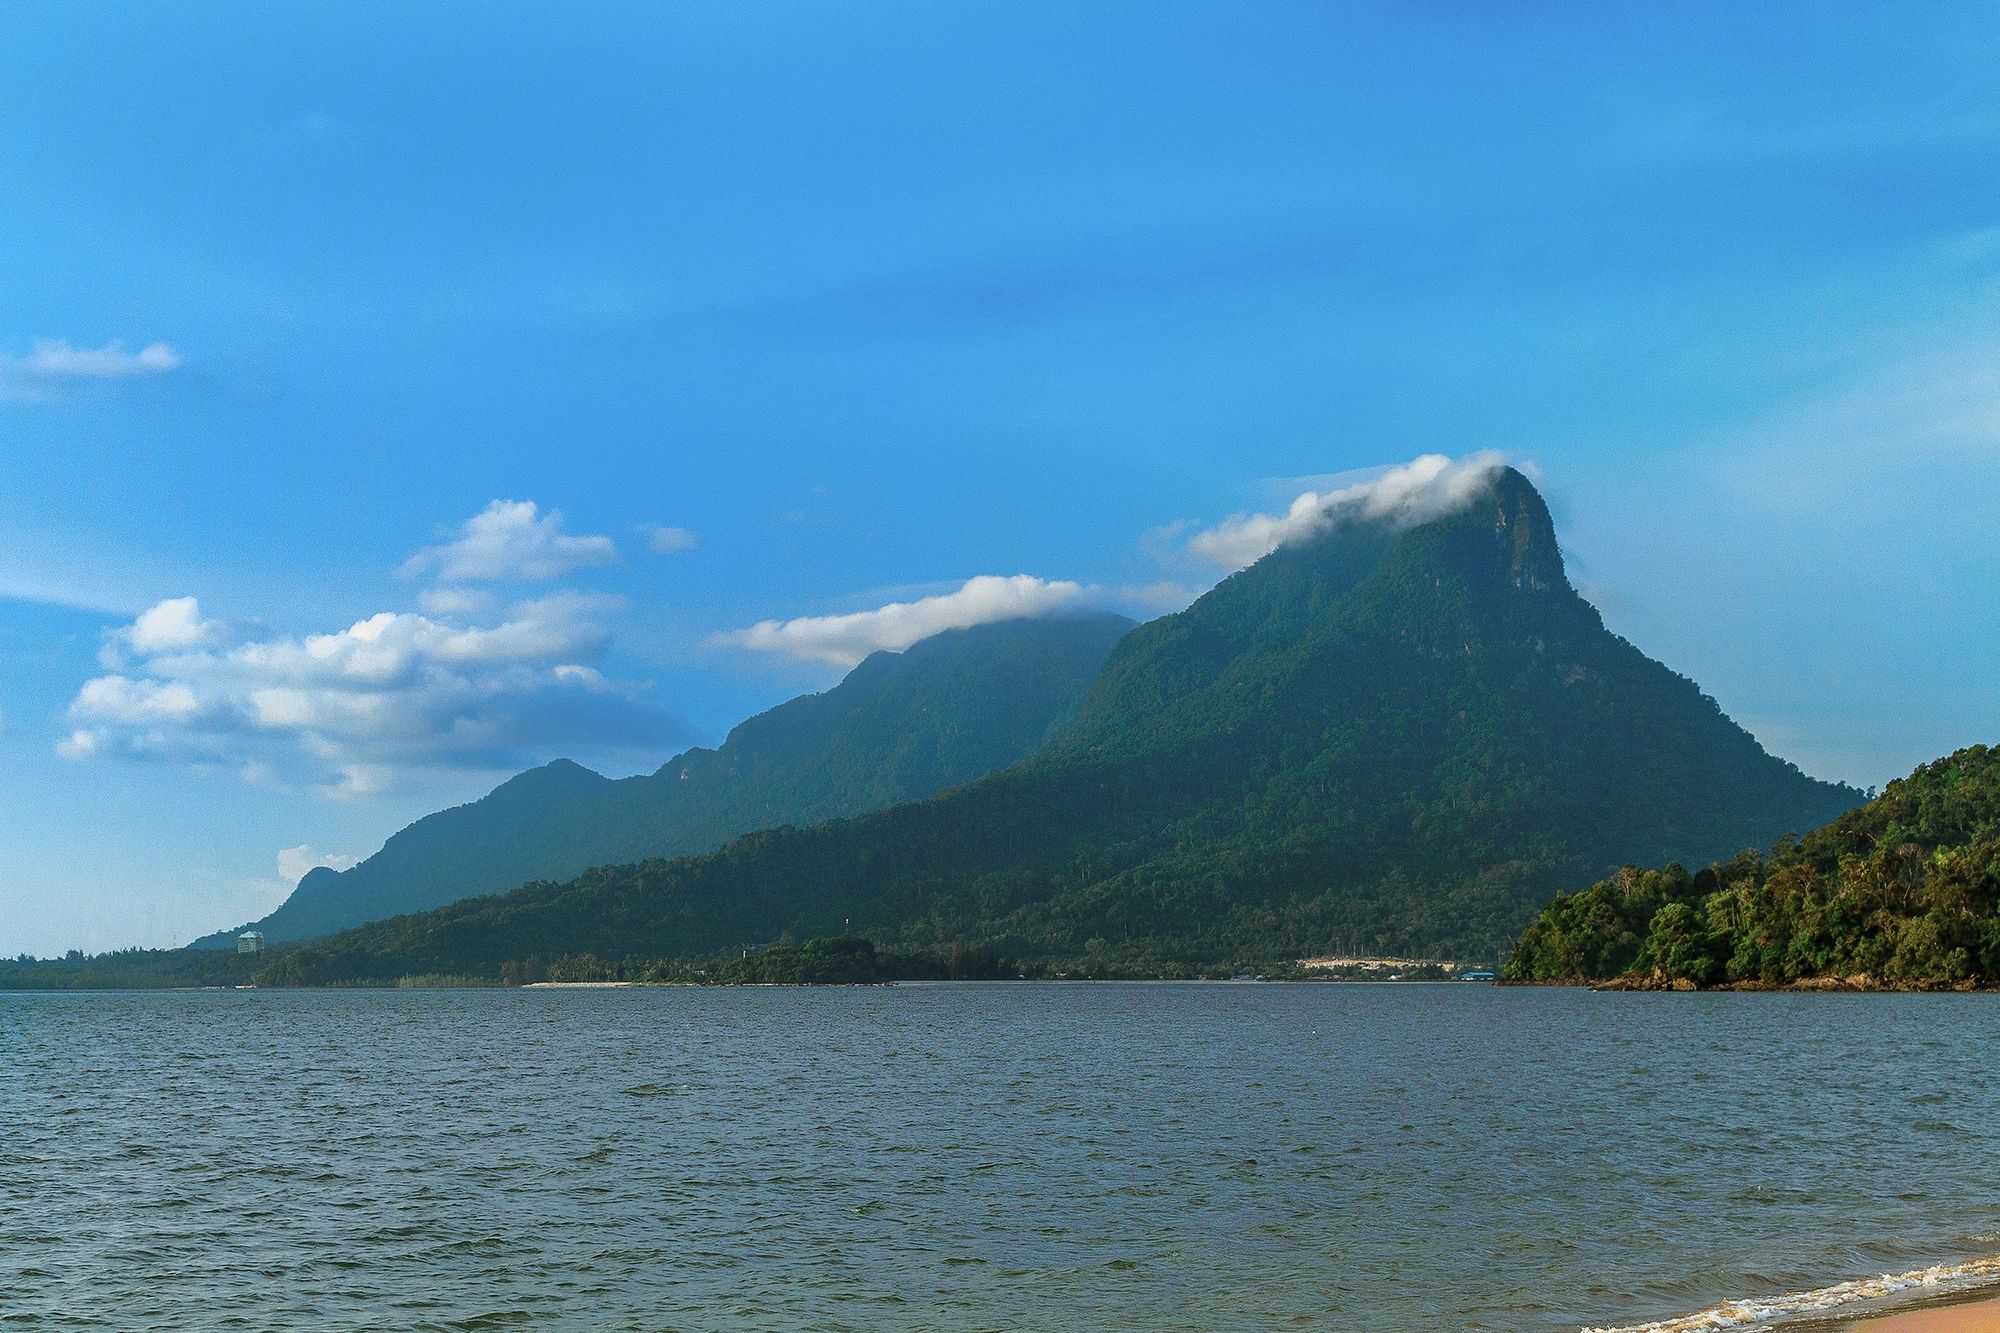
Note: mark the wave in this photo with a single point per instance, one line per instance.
(1762, 1311)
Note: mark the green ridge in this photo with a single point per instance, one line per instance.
(1903, 892)
(1387, 740)
(901, 726)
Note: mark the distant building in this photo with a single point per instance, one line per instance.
(250, 941)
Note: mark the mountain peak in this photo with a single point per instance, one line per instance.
(1497, 539)
(555, 773)
(316, 880)
(1399, 730)
(1525, 533)
(1478, 531)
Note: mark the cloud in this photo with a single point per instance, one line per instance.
(52, 361)
(174, 625)
(294, 862)
(666, 540)
(1415, 492)
(170, 626)
(455, 601)
(53, 356)
(511, 540)
(134, 703)
(844, 640)
(1159, 597)
(351, 709)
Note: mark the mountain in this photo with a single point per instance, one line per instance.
(901, 726)
(1390, 736)
(1903, 893)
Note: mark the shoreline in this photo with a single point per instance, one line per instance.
(1962, 1297)
(1860, 983)
(1856, 985)
(1969, 1312)
(483, 984)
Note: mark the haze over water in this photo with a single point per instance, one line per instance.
(1014, 1156)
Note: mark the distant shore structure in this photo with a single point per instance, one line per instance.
(250, 941)
(1369, 964)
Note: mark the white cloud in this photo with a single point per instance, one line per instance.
(510, 539)
(1160, 597)
(392, 646)
(52, 361)
(350, 709)
(53, 356)
(455, 601)
(129, 702)
(666, 540)
(170, 625)
(1415, 492)
(844, 640)
(294, 862)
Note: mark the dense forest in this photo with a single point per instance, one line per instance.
(1379, 740)
(901, 726)
(128, 969)
(843, 960)
(1904, 892)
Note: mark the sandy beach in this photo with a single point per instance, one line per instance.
(1980, 1316)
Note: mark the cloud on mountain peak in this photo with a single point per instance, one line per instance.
(1404, 496)
(844, 640)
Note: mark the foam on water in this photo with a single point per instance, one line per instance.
(1765, 1311)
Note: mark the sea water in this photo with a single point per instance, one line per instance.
(1005, 1157)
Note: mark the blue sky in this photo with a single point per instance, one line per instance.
(559, 351)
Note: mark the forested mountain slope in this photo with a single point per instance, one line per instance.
(901, 726)
(1904, 892)
(1378, 738)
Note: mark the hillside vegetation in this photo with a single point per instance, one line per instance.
(901, 726)
(1904, 892)
(1376, 740)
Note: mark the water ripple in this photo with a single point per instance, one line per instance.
(1007, 1157)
